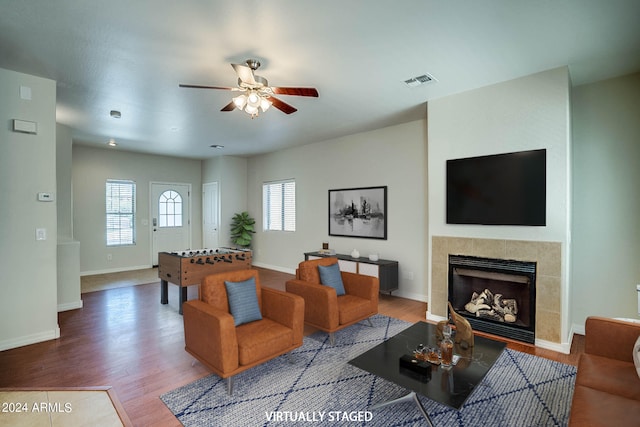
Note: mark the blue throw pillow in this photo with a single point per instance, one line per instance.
(330, 276)
(243, 301)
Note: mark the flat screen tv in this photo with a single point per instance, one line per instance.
(500, 189)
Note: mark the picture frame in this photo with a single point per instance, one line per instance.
(358, 212)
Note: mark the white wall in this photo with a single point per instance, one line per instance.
(606, 202)
(231, 175)
(394, 156)
(91, 168)
(69, 296)
(64, 193)
(69, 287)
(28, 308)
(523, 114)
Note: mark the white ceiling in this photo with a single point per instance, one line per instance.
(130, 55)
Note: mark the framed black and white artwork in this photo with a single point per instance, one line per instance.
(358, 212)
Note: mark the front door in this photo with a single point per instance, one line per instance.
(170, 218)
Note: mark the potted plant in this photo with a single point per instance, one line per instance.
(242, 229)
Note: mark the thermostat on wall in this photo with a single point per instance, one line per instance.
(45, 197)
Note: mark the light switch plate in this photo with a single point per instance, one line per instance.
(25, 93)
(41, 234)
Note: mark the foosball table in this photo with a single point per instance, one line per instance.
(186, 268)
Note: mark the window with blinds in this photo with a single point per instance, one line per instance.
(121, 212)
(279, 205)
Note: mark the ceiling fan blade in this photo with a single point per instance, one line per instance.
(282, 106)
(245, 73)
(208, 87)
(298, 91)
(229, 107)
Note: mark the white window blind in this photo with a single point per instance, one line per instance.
(279, 205)
(121, 211)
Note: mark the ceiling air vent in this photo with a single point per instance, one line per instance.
(420, 80)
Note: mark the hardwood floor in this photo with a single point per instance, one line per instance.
(124, 338)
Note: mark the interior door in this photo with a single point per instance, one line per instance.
(210, 215)
(170, 218)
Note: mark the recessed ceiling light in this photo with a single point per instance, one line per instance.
(112, 143)
(115, 114)
(174, 128)
(217, 146)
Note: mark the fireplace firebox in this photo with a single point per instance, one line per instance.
(496, 296)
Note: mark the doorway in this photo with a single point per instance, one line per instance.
(210, 215)
(170, 218)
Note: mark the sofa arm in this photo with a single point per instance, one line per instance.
(611, 338)
(320, 303)
(362, 286)
(210, 335)
(286, 309)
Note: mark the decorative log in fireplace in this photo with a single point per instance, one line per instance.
(495, 295)
(494, 307)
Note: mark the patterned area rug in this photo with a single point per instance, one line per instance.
(321, 388)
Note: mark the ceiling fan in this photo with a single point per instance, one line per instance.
(256, 94)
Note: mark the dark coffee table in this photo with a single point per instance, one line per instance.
(449, 386)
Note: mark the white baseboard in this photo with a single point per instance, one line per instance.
(409, 295)
(70, 306)
(30, 339)
(564, 348)
(274, 267)
(115, 270)
(577, 329)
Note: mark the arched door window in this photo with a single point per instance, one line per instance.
(170, 209)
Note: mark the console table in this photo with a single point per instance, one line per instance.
(385, 270)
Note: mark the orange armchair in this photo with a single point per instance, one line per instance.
(323, 308)
(212, 337)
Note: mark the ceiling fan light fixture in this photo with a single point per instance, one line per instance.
(264, 104)
(252, 102)
(253, 99)
(240, 101)
(251, 110)
(255, 93)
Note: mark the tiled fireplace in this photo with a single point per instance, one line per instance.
(546, 256)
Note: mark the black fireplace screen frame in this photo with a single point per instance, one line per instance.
(517, 331)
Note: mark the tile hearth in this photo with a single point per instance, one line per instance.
(548, 255)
